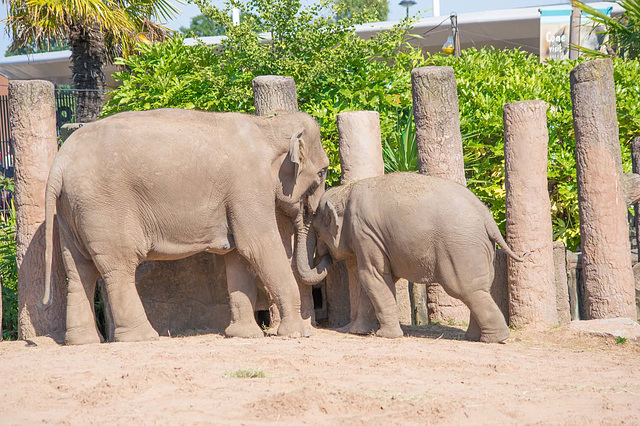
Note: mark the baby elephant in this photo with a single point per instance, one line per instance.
(407, 225)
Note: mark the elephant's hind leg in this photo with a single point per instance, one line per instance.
(131, 323)
(82, 276)
(487, 323)
(242, 298)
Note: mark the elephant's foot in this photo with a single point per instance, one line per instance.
(294, 327)
(247, 330)
(497, 336)
(390, 331)
(358, 326)
(140, 333)
(82, 336)
(473, 333)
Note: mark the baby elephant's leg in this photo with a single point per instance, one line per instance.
(376, 279)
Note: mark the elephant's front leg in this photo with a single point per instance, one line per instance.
(364, 320)
(377, 280)
(242, 297)
(259, 242)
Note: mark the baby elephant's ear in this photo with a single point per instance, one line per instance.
(331, 219)
(296, 150)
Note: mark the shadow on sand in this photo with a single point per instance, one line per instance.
(434, 331)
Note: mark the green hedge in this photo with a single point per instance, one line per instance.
(337, 71)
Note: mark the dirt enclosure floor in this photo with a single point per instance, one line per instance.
(430, 377)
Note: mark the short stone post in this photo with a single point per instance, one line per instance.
(273, 94)
(608, 279)
(360, 144)
(437, 119)
(32, 117)
(532, 290)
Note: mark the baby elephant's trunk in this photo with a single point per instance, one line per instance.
(305, 248)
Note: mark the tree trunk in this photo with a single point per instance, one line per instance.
(608, 279)
(33, 130)
(437, 119)
(88, 57)
(532, 290)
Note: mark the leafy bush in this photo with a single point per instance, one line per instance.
(622, 32)
(337, 71)
(334, 69)
(8, 268)
(487, 79)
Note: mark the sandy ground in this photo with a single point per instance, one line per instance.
(430, 377)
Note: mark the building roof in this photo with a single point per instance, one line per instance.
(499, 28)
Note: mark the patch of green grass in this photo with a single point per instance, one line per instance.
(245, 374)
(621, 340)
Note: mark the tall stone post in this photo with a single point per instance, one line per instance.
(272, 94)
(532, 289)
(608, 279)
(635, 160)
(32, 117)
(437, 119)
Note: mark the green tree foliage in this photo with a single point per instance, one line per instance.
(623, 31)
(362, 10)
(29, 49)
(201, 26)
(95, 31)
(336, 71)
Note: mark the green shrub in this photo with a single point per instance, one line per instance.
(487, 79)
(336, 71)
(8, 268)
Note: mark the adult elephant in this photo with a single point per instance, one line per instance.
(166, 184)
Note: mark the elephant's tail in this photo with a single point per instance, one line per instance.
(496, 237)
(54, 186)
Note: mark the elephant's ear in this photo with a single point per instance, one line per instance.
(296, 150)
(331, 219)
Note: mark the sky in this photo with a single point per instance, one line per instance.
(423, 8)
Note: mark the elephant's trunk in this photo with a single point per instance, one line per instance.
(305, 248)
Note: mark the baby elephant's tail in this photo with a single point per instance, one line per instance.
(496, 237)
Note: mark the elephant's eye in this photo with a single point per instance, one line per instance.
(322, 173)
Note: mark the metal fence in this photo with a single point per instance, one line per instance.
(65, 113)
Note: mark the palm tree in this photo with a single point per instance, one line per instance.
(96, 31)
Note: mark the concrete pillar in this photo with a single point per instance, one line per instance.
(608, 279)
(561, 278)
(360, 145)
(532, 291)
(273, 94)
(635, 161)
(32, 117)
(437, 119)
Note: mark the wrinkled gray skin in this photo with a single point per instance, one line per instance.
(407, 225)
(166, 184)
